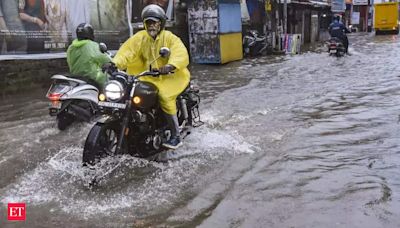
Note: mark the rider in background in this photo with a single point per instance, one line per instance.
(139, 51)
(85, 58)
(338, 29)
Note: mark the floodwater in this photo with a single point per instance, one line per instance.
(288, 141)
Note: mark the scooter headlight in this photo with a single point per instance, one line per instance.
(114, 90)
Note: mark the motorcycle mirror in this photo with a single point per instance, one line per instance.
(103, 47)
(165, 52)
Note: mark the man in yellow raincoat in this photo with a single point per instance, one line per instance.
(136, 54)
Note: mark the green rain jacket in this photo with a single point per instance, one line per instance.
(85, 59)
(136, 54)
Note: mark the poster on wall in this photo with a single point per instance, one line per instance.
(47, 26)
(204, 48)
(138, 5)
(338, 6)
(203, 31)
(360, 2)
(355, 18)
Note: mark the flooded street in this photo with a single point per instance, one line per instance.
(288, 141)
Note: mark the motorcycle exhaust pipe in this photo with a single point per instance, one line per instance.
(184, 109)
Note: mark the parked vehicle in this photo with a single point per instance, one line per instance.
(336, 47)
(132, 121)
(254, 44)
(72, 99)
(386, 18)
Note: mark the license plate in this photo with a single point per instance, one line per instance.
(55, 105)
(112, 105)
(333, 51)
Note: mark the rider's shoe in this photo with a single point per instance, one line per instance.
(173, 143)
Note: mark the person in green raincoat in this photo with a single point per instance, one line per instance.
(139, 51)
(85, 58)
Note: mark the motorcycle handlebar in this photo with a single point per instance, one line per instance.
(149, 73)
(132, 78)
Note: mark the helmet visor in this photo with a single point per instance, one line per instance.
(151, 19)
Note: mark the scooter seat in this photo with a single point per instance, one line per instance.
(75, 78)
(67, 77)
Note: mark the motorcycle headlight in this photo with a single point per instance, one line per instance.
(114, 90)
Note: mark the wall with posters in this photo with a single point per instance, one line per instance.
(45, 26)
(203, 31)
(214, 28)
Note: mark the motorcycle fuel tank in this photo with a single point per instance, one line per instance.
(146, 95)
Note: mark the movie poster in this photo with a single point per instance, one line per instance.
(45, 26)
(138, 5)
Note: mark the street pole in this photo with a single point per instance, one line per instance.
(285, 17)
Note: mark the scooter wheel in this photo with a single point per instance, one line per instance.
(64, 120)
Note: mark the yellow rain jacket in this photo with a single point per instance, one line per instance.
(136, 54)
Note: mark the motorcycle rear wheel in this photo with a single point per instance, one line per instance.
(64, 120)
(101, 142)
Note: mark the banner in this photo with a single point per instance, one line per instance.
(48, 26)
(360, 2)
(138, 5)
(338, 6)
(355, 18)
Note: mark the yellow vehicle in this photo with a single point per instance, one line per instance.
(386, 18)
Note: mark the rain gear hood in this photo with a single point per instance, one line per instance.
(136, 54)
(85, 59)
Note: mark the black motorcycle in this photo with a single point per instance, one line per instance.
(254, 44)
(133, 122)
(336, 47)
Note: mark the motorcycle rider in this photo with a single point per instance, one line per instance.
(338, 29)
(139, 51)
(85, 58)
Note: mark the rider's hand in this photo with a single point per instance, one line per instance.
(108, 68)
(166, 69)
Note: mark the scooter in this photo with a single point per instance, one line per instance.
(336, 47)
(72, 99)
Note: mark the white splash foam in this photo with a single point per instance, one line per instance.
(60, 179)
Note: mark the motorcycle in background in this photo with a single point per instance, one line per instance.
(254, 44)
(336, 47)
(132, 121)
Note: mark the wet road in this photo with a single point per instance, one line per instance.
(302, 141)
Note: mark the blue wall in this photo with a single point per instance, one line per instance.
(230, 18)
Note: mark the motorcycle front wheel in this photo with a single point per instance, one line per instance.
(101, 142)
